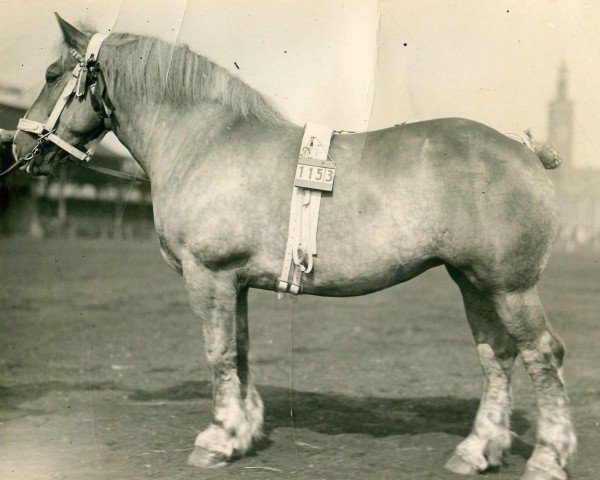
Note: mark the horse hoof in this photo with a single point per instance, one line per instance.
(202, 458)
(459, 465)
(536, 474)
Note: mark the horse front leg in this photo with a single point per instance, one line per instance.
(237, 408)
(252, 401)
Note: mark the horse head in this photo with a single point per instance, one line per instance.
(70, 110)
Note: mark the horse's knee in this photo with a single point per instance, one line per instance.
(496, 366)
(498, 355)
(543, 360)
(552, 347)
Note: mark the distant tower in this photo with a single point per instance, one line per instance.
(560, 120)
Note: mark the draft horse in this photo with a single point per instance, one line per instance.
(221, 161)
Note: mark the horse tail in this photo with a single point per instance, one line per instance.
(548, 156)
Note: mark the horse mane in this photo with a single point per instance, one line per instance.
(161, 72)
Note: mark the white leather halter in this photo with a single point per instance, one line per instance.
(76, 85)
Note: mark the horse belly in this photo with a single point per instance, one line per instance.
(362, 252)
(354, 281)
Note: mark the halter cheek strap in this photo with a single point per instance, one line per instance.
(77, 84)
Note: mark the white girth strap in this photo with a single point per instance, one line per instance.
(46, 129)
(301, 246)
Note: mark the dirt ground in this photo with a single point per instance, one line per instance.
(103, 372)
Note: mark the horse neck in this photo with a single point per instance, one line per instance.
(158, 135)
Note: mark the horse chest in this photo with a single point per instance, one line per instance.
(212, 241)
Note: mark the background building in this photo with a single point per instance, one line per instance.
(578, 189)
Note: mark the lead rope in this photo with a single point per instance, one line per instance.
(116, 173)
(13, 166)
(7, 136)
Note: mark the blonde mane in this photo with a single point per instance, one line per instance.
(162, 72)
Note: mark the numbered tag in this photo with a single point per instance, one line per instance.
(315, 174)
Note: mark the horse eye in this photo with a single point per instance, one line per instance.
(51, 77)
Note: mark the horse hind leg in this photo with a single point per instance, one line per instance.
(490, 436)
(521, 314)
(542, 352)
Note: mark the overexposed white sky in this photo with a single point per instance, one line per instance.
(344, 62)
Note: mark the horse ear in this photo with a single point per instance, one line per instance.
(73, 37)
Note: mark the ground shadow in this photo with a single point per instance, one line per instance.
(11, 397)
(326, 413)
(334, 414)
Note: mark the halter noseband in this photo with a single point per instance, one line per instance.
(86, 73)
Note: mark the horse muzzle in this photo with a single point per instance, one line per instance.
(40, 157)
